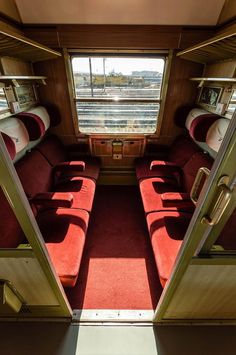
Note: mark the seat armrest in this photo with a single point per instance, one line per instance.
(167, 169)
(69, 166)
(176, 199)
(175, 196)
(53, 199)
(156, 164)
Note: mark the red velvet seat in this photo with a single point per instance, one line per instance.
(37, 176)
(64, 232)
(82, 189)
(227, 238)
(10, 145)
(55, 152)
(152, 188)
(167, 230)
(180, 152)
(11, 234)
(63, 229)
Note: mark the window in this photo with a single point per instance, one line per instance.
(3, 100)
(117, 94)
(232, 103)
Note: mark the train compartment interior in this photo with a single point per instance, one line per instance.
(117, 164)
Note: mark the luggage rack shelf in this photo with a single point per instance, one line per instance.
(218, 48)
(13, 44)
(17, 79)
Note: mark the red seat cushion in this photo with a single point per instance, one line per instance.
(36, 177)
(92, 167)
(33, 123)
(64, 233)
(82, 190)
(200, 126)
(151, 190)
(55, 152)
(10, 145)
(91, 170)
(180, 152)
(167, 230)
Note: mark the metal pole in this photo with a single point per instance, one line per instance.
(91, 76)
(104, 75)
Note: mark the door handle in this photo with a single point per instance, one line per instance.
(224, 196)
(194, 194)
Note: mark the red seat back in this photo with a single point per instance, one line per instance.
(35, 173)
(191, 168)
(53, 150)
(182, 150)
(11, 234)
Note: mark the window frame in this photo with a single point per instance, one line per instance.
(164, 54)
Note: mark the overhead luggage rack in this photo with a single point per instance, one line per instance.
(13, 44)
(16, 80)
(229, 80)
(215, 49)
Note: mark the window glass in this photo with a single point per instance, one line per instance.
(232, 103)
(117, 95)
(3, 100)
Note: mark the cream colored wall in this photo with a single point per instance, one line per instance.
(9, 8)
(160, 12)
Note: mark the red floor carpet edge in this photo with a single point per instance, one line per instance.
(118, 270)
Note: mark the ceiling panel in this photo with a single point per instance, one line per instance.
(156, 12)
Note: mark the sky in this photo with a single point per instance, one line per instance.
(123, 65)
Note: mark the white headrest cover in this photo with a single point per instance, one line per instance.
(43, 115)
(216, 133)
(16, 130)
(194, 113)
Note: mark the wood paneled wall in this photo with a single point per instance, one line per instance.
(56, 94)
(181, 90)
(225, 69)
(15, 66)
(118, 36)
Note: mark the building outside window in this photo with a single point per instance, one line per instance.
(118, 94)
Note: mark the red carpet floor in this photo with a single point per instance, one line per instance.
(118, 270)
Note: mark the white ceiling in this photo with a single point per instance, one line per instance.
(157, 12)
